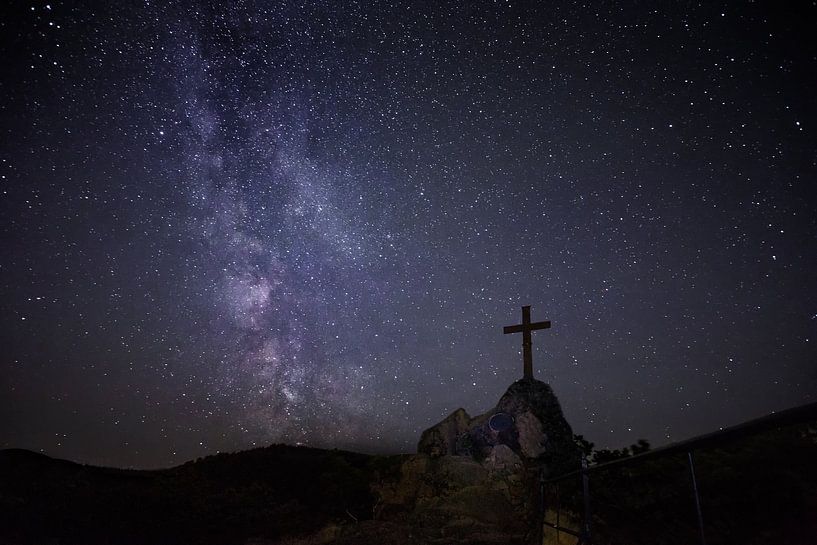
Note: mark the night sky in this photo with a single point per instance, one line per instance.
(224, 227)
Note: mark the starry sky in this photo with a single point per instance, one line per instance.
(307, 222)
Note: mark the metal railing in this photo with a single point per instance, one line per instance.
(793, 416)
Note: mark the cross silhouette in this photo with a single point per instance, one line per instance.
(525, 328)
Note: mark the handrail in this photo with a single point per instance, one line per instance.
(794, 415)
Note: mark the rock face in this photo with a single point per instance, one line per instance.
(455, 499)
(528, 420)
(442, 438)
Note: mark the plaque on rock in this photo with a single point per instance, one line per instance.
(501, 422)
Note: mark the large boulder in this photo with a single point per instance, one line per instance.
(528, 420)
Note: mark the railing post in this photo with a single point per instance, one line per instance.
(558, 513)
(697, 498)
(540, 528)
(586, 526)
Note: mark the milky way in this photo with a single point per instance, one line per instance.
(224, 227)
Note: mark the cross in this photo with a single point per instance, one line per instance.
(525, 328)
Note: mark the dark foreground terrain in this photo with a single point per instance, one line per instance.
(224, 499)
(759, 490)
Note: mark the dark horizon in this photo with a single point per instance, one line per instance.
(226, 227)
(787, 417)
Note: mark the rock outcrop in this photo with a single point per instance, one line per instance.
(527, 419)
(475, 480)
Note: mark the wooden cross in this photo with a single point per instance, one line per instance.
(525, 328)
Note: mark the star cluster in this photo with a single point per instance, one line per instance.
(230, 225)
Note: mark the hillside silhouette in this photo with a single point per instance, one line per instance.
(223, 499)
(756, 490)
